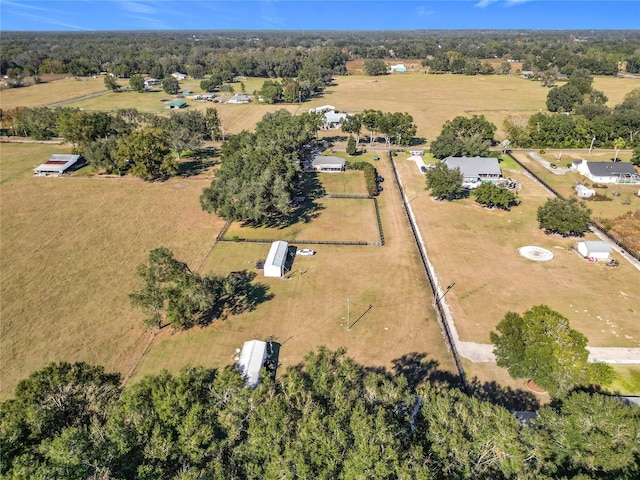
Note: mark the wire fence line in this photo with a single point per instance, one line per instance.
(594, 224)
(428, 268)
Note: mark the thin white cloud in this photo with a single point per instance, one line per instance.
(136, 7)
(423, 11)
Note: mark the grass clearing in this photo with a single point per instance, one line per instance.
(70, 247)
(310, 308)
(627, 380)
(478, 250)
(47, 93)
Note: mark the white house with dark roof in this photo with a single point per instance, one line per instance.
(607, 172)
(326, 163)
(475, 170)
(58, 164)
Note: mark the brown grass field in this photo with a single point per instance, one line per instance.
(310, 308)
(46, 93)
(70, 246)
(477, 249)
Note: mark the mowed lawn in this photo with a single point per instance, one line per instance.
(478, 250)
(313, 305)
(69, 251)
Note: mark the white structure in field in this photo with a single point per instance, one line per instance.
(595, 250)
(326, 163)
(58, 164)
(584, 192)
(276, 259)
(251, 360)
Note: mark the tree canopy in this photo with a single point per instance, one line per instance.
(492, 195)
(328, 417)
(565, 217)
(171, 292)
(464, 136)
(541, 346)
(445, 183)
(259, 172)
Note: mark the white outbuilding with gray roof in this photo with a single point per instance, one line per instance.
(594, 249)
(276, 259)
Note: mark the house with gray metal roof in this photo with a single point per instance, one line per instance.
(475, 170)
(325, 163)
(607, 172)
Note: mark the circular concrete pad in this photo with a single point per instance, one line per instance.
(537, 254)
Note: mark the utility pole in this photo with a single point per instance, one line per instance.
(437, 300)
(592, 140)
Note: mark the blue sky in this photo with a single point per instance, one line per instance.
(82, 15)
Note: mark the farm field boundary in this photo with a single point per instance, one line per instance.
(594, 225)
(435, 289)
(222, 236)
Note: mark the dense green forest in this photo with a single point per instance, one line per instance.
(287, 54)
(329, 418)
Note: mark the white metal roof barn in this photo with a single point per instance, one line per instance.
(276, 259)
(251, 360)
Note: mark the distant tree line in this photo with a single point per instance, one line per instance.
(286, 54)
(588, 120)
(329, 417)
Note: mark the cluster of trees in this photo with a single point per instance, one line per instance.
(284, 54)
(576, 92)
(495, 196)
(259, 171)
(464, 136)
(455, 62)
(124, 142)
(610, 126)
(170, 292)
(539, 345)
(396, 128)
(328, 418)
(564, 217)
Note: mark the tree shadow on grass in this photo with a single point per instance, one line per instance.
(244, 295)
(507, 397)
(418, 369)
(198, 161)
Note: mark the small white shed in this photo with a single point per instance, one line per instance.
(584, 192)
(276, 259)
(595, 250)
(251, 360)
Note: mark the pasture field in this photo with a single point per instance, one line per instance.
(47, 93)
(430, 99)
(478, 250)
(332, 219)
(70, 247)
(309, 308)
(627, 200)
